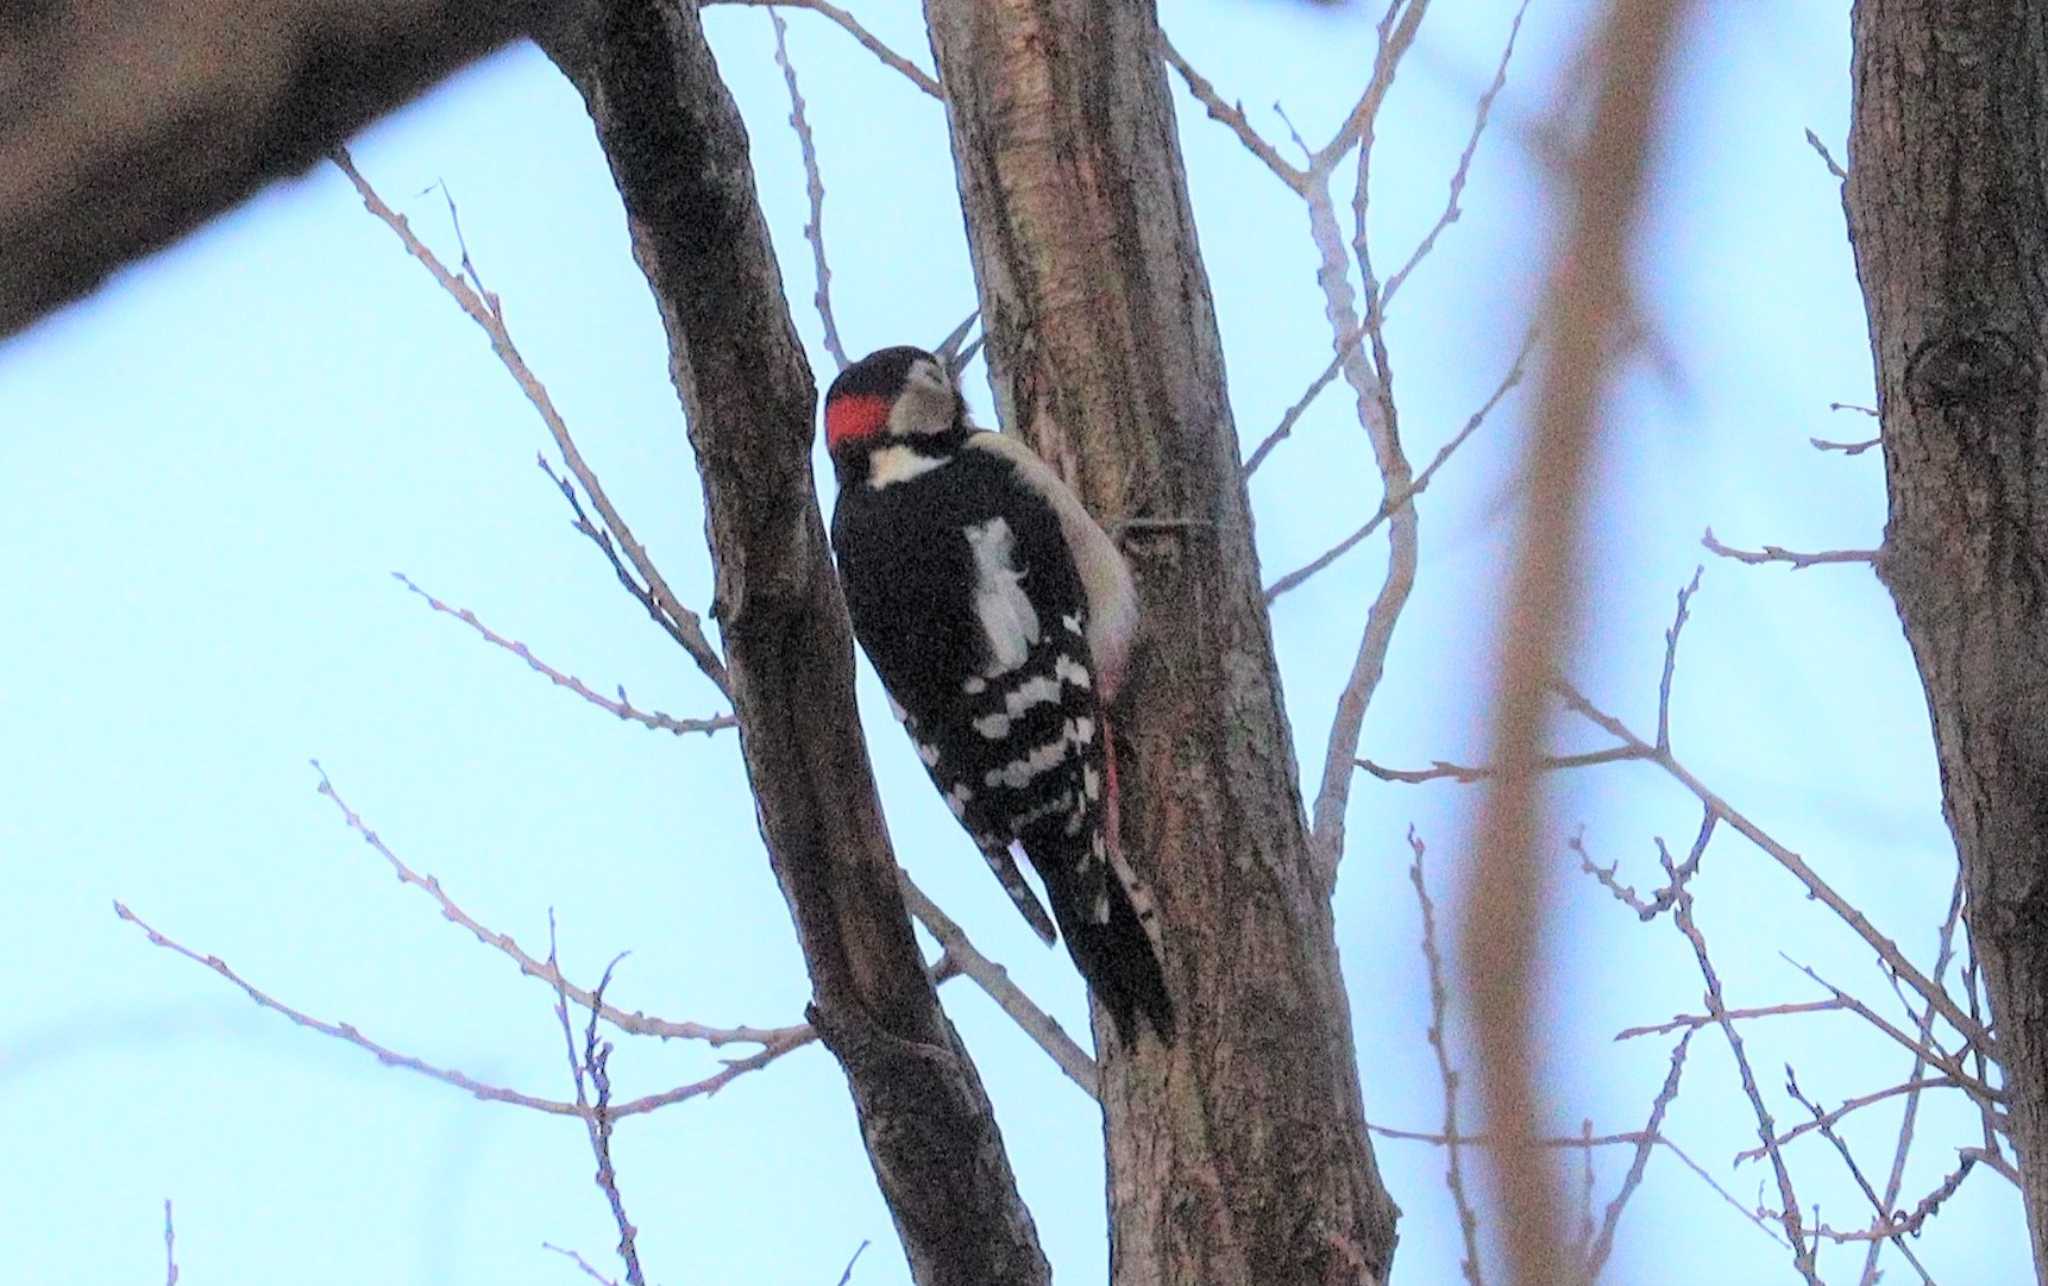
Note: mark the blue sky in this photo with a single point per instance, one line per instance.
(208, 471)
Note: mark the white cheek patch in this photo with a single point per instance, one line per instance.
(1009, 623)
(888, 466)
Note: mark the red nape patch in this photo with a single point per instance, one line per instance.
(853, 416)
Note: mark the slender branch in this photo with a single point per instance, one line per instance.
(1779, 554)
(1813, 141)
(1301, 404)
(1300, 575)
(1649, 1136)
(170, 1247)
(576, 1257)
(347, 1032)
(1233, 117)
(593, 1065)
(1952, 1067)
(1846, 448)
(995, 980)
(504, 943)
(1458, 176)
(1909, 1223)
(1944, 953)
(1825, 1122)
(1693, 1022)
(851, 26)
(1857, 407)
(484, 311)
(1626, 1137)
(1454, 1174)
(814, 188)
(623, 708)
(1397, 28)
(1802, 1254)
(847, 1275)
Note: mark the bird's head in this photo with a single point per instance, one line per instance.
(898, 395)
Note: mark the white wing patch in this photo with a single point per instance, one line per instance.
(1008, 619)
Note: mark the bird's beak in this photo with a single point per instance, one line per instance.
(953, 354)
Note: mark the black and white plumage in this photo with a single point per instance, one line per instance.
(1000, 618)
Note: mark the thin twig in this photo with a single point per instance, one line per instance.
(1454, 1174)
(1857, 407)
(589, 1269)
(1895, 1181)
(1813, 141)
(814, 188)
(1231, 116)
(847, 1275)
(170, 1247)
(1846, 448)
(1802, 1254)
(636, 1022)
(1625, 1138)
(1825, 1123)
(683, 623)
(347, 1032)
(1458, 176)
(992, 978)
(1285, 428)
(1779, 554)
(1950, 1066)
(1296, 578)
(1603, 1246)
(1909, 1223)
(890, 58)
(593, 1065)
(621, 707)
(1692, 1022)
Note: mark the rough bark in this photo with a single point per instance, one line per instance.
(1239, 1154)
(125, 123)
(1948, 209)
(679, 154)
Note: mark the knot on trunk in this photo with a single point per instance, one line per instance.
(1983, 369)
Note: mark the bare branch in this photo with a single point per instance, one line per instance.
(847, 1275)
(1692, 1022)
(1846, 448)
(1944, 953)
(1286, 426)
(346, 1032)
(1827, 157)
(1454, 1175)
(814, 188)
(623, 708)
(589, 1270)
(1949, 1065)
(1802, 1254)
(1397, 28)
(995, 980)
(170, 1247)
(1459, 175)
(545, 970)
(484, 311)
(1825, 1122)
(1909, 1223)
(1603, 1246)
(593, 1065)
(1857, 407)
(1233, 117)
(851, 26)
(1296, 578)
(1779, 554)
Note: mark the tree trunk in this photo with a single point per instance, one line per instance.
(125, 123)
(678, 152)
(1240, 1154)
(1948, 209)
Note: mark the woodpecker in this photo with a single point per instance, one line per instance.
(1000, 617)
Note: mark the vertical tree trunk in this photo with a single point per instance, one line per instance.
(1948, 209)
(1239, 1155)
(678, 152)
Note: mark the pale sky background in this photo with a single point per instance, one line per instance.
(209, 469)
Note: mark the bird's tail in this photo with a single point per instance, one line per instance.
(1108, 916)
